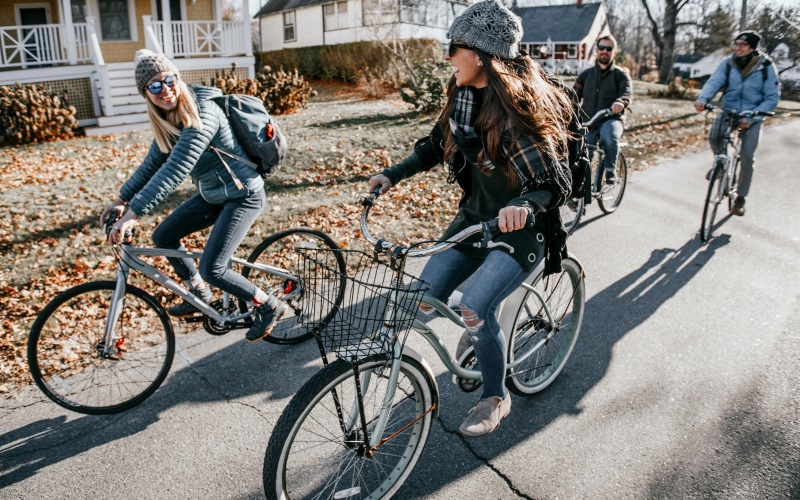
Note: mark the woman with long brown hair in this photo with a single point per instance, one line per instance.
(191, 131)
(503, 136)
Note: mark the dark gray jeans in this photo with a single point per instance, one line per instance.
(750, 139)
(231, 221)
(610, 131)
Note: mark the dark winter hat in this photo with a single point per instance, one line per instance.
(148, 65)
(750, 37)
(490, 27)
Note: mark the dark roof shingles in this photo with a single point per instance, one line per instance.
(273, 6)
(559, 23)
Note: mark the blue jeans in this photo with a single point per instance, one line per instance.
(610, 132)
(231, 221)
(493, 279)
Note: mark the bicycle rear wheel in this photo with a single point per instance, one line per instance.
(317, 447)
(65, 349)
(611, 194)
(571, 212)
(303, 318)
(547, 344)
(713, 199)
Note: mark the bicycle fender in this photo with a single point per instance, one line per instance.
(409, 351)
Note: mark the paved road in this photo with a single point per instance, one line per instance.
(684, 383)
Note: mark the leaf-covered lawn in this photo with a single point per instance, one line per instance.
(52, 195)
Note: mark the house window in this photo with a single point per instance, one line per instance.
(572, 51)
(379, 11)
(114, 20)
(79, 11)
(288, 27)
(335, 15)
(413, 11)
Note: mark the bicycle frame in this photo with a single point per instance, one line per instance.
(129, 259)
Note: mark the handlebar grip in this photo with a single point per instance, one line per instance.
(494, 224)
(112, 217)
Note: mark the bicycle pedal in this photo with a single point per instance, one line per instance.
(197, 318)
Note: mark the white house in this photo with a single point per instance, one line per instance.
(703, 68)
(304, 23)
(562, 37)
(86, 47)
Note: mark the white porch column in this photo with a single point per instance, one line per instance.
(150, 38)
(167, 19)
(69, 31)
(247, 35)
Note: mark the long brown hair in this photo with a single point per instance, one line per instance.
(167, 124)
(519, 100)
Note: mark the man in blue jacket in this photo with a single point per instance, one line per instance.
(751, 84)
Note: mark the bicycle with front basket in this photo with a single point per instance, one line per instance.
(723, 178)
(105, 346)
(357, 428)
(608, 196)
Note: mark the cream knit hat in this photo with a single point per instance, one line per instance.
(148, 65)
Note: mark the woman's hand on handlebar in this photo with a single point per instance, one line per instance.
(117, 205)
(512, 218)
(122, 230)
(380, 181)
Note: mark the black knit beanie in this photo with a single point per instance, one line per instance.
(750, 37)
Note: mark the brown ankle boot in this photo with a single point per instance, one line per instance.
(485, 416)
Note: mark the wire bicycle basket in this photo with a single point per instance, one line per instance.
(377, 309)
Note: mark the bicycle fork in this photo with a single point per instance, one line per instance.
(112, 345)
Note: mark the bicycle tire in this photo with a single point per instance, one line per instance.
(67, 334)
(310, 454)
(611, 196)
(733, 188)
(564, 294)
(279, 249)
(571, 213)
(713, 199)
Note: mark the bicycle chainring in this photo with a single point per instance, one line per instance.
(211, 325)
(469, 361)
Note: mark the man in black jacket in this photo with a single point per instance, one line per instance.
(606, 85)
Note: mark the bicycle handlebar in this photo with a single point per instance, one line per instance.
(742, 114)
(112, 217)
(489, 229)
(603, 113)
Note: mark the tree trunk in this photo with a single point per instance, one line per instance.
(668, 47)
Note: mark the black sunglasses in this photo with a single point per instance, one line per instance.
(607, 48)
(450, 49)
(156, 87)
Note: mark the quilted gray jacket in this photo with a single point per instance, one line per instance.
(160, 173)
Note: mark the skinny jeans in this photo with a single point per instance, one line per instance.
(750, 138)
(231, 221)
(493, 279)
(610, 132)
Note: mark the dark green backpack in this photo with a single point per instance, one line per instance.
(256, 131)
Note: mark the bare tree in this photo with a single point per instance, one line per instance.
(664, 35)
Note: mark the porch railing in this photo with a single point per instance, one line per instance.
(43, 44)
(201, 38)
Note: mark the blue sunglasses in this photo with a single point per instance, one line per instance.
(156, 87)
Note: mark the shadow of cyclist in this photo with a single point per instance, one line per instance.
(639, 294)
(206, 370)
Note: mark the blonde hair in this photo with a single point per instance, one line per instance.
(166, 124)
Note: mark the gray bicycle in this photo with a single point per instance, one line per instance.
(106, 346)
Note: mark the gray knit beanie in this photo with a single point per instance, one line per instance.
(490, 27)
(148, 65)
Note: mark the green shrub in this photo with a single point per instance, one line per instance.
(429, 92)
(282, 91)
(32, 114)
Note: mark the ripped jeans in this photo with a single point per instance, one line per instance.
(495, 277)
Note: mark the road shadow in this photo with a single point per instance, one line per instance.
(639, 295)
(237, 371)
(389, 120)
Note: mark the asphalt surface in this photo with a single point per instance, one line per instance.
(684, 382)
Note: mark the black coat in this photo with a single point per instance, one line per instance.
(600, 89)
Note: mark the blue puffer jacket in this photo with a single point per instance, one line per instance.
(752, 92)
(160, 173)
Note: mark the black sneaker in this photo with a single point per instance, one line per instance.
(611, 177)
(265, 317)
(738, 206)
(187, 308)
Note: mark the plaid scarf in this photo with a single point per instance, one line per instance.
(533, 166)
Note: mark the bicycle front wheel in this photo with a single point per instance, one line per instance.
(66, 349)
(307, 313)
(713, 199)
(571, 212)
(611, 194)
(733, 188)
(546, 329)
(317, 448)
